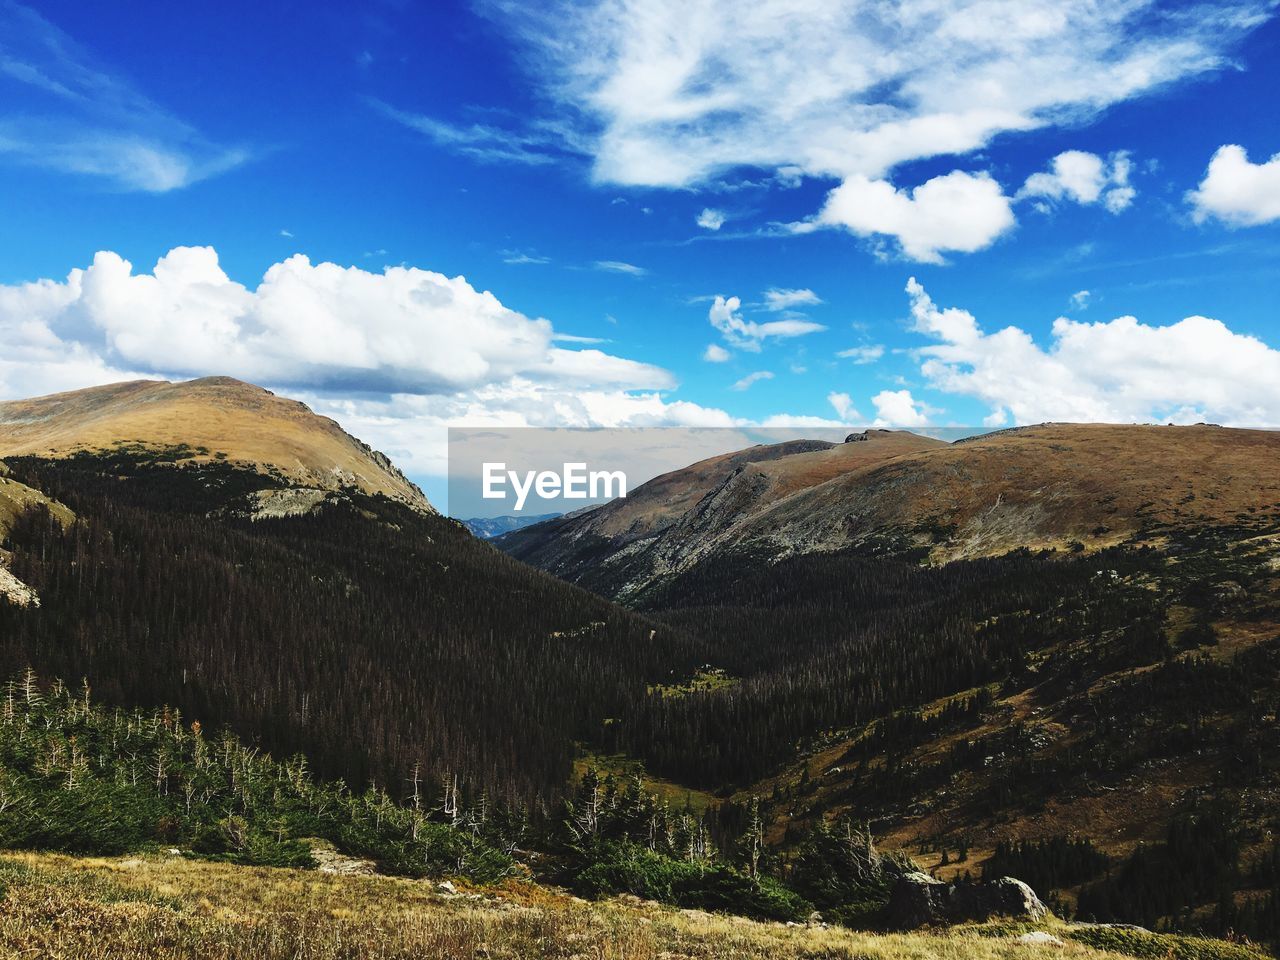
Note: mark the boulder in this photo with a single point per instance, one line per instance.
(918, 900)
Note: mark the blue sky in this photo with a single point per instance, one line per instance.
(562, 160)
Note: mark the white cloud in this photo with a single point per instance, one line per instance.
(863, 355)
(663, 93)
(790, 421)
(1085, 178)
(519, 258)
(725, 315)
(996, 418)
(396, 357)
(618, 266)
(751, 379)
(674, 94)
(1080, 300)
(1114, 371)
(485, 142)
(897, 408)
(1237, 192)
(715, 353)
(842, 403)
(711, 219)
(402, 330)
(779, 298)
(78, 118)
(960, 212)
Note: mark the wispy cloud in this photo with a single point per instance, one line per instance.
(676, 94)
(726, 316)
(863, 355)
(619, 266)
(747, 382)
(779, 298)
(520, 257)
(530, 145)
(81, 119)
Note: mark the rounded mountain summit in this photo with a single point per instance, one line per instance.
(205, 420)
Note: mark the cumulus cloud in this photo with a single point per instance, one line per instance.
(1237, 192)
(396, 356)
(863, 355)
(1120, 370)
(726, 316)
(711, 219)
(897, 408)
(715, 353)
(751, 379)
(958, 212)
(402, 330)
(79, 118)
(842, 403)
(1085, 178)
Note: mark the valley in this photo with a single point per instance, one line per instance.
(774, 682)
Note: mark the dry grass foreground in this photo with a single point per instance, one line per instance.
(151, 907)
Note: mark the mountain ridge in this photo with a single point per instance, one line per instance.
(1049, 486)
(206, 420)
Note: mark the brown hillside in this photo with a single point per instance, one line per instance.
(1051, 486)
(217, 417)
(672, 519)
(1043, 486)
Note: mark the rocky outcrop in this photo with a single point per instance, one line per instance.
(918, 900)
(15, 591)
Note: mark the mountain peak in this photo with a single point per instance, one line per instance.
(217, 418)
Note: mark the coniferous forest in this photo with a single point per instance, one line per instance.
(422, 681)
(371, 637)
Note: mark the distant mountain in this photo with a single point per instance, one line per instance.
(216, 419)
(1050, 487)
(486, 528)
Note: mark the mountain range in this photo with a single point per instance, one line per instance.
(1053, 650)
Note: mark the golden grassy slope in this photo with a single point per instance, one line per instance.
(214, 416)
(1051, 486)
(16, 498)
(1039, 487)
(145, 908)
